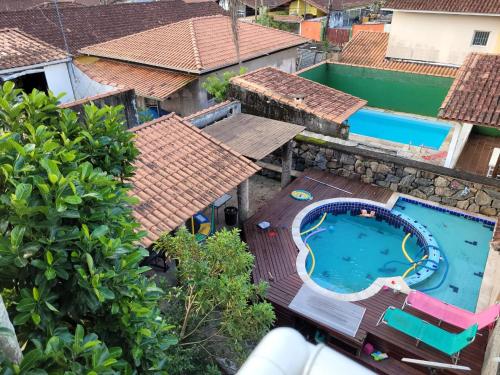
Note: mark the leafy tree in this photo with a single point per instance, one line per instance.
(217, 309)
(69, 250)
(218, 86)
(266, 19)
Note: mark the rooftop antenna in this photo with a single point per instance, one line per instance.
(66, 47)
(59, 19)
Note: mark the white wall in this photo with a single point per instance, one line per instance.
(193, 97)
(438, 37)
(84, 86)
(59, 81)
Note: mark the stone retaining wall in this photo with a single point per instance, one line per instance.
(401, 176)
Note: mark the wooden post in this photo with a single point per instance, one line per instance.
(243, 201)
(286, 163)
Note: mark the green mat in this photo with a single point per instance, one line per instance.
(438, 338)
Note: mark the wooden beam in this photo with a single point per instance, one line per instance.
(277, 168)
(286, 163)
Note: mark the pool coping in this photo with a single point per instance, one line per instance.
(442, 147)
(396, 283)
(402, 149)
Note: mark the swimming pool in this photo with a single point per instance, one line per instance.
(399, 128)
(352, 252)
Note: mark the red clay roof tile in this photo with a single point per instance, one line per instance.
(319, 100)
(449, 6)
(180, 171)
(89, 25)
(474, 96)
(196, 45)
(368, 49)
(147, 82)
(19, 49)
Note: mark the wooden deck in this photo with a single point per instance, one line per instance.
(275, 257)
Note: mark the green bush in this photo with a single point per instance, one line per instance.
(217, 310)
(217, 86)
(69, 249)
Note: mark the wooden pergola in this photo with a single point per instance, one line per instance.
(256, 137)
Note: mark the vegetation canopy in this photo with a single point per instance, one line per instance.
(72, 282)
(219, 312)
(68, 242)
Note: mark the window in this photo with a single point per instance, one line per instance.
(480, 38)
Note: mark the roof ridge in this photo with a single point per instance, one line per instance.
(194, 44)
(147, 31)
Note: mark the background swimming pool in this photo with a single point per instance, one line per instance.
(398, 128)
(353, 251)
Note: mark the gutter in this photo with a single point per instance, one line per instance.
(192, 71)
(34, 67)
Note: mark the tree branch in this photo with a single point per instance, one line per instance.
(199, 323)
(201, 341)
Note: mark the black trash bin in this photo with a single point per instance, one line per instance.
(231, 215)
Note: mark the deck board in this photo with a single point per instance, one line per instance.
(275, 258)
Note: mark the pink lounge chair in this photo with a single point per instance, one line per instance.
(451, 314)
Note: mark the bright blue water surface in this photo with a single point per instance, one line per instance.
(399, 128)
(354, 251)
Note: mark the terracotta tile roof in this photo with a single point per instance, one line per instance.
(449, 6)
(474, 96)
(180, 171)
(89, 25)
(319, 100)
(18, 49)
(196, 45)
(12, 5)
(368, 48)
(147, 82)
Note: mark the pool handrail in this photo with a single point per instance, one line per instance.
(449, 313)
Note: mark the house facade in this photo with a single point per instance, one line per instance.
(168, 66)
(443, 31)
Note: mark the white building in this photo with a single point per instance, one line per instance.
(443, 31)
(34, 64)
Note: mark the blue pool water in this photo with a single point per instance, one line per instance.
(353, 251)
(398, 128)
